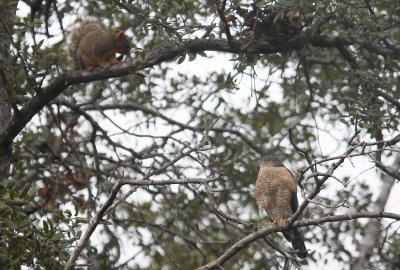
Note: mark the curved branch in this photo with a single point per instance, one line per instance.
(167, 53)
(320, 182)
(151, 111)
(242, 243)
(116, 188)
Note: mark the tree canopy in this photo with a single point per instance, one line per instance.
(151, 163)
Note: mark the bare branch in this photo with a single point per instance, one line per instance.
(372, 228)
(216, 210)
(110, 199)
(91, 227)
(242, 243)
(320, 182)
(148, 182)
(147, 109)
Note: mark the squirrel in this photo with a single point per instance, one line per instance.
(90, 46)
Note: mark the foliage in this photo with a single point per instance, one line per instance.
(39, 243)
(209, 113)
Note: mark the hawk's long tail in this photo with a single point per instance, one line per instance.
(294, 236)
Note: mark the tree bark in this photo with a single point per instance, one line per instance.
(7, 20)
(373, 228)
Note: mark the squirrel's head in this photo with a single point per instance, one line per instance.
(122, 44)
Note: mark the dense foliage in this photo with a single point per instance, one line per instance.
(209, 88)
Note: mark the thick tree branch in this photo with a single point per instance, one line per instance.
(7, 20)
(242, 243)
(167, 53)
(221, 14)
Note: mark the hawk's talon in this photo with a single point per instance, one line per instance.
(278, 222)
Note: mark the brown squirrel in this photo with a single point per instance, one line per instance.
(90, 46)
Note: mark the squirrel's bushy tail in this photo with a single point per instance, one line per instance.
(75, 37)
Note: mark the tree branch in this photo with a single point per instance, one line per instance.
(148, 182)
(91, 227)
(320, 182)
(113, 194)
(242, 243)
(149, 110)
(372, 229)
(167, 53)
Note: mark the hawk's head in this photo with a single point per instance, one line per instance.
(270, 161)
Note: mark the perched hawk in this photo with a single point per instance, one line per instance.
(276, 193)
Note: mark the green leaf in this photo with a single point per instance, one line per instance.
(25, 190)
(82, 220)
(45, 227)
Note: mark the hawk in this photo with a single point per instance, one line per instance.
(276, 193)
